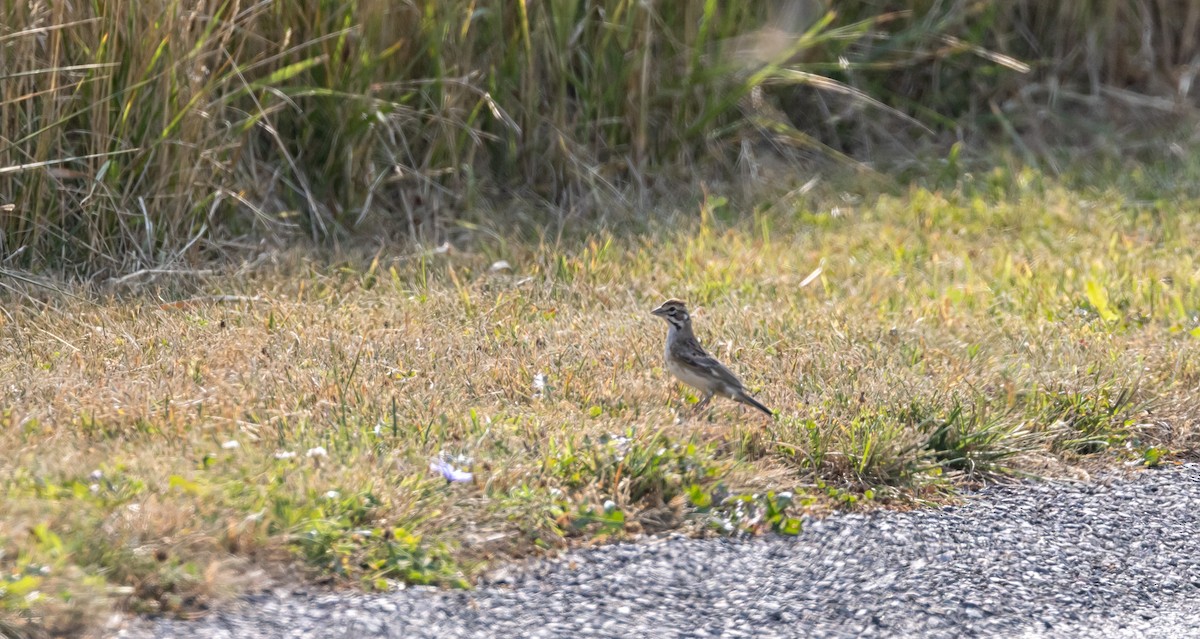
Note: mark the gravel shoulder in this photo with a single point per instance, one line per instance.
(1113, 558)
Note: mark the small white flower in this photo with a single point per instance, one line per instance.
(96, 475)
(284, 454)
(539, 384)
(231, 445)
(448, 471)
(95, 488)
(609, 507)
(319, 451)
(378, 428)
(333, 494)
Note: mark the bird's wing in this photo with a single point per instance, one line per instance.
(691, 354)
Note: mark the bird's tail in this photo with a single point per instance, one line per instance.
(746, 399)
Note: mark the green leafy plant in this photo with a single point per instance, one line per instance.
(339, 535)
(1152, 456)
(751, 514)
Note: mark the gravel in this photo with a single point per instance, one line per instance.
(1114, 558)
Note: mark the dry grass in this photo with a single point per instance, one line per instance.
(1000, 326)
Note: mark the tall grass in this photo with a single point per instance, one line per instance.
(145, 137)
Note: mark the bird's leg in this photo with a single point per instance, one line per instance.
(678, 409)
(703, 402)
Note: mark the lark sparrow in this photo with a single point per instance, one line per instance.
(692, 365)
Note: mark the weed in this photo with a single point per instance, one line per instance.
(751, 514)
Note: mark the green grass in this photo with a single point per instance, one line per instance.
(170, 447)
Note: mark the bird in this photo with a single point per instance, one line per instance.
(687, 360)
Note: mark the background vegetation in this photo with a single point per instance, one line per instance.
(150, 137)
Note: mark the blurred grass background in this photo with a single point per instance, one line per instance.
(163, 135)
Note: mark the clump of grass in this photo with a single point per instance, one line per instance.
(871, 449)
(1087, 422)
(636, 469)
(918, 445)
(971, 440)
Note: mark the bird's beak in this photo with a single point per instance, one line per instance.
(658, 311)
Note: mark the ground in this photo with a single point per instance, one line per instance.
(173, 444)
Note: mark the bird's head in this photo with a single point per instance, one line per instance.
(674, 312)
